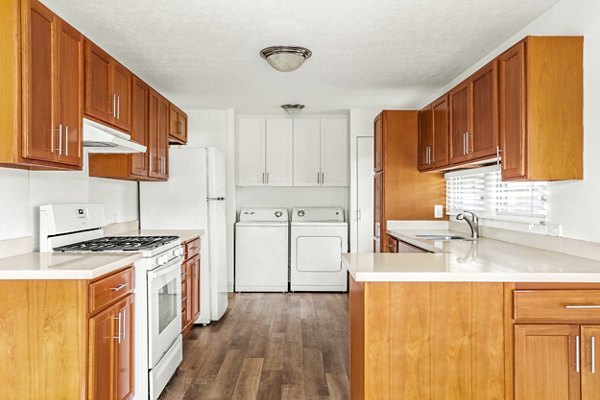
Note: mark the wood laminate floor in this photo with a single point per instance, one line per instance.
(268, 346)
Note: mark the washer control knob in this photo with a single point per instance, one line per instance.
(301, 213)
(278, 214)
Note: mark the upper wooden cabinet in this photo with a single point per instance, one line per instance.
(541, 109)
(425, 138)
(177, 125)
(158, 136)
(107, 88)
(42, 81)
(459, 122)
(433, 135)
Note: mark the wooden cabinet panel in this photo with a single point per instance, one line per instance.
(545, 362)
(102, 355)
(70, 92)
(551, 306)
(99, 99)
(378, 207)
(279, 165)
(391, 244)
(177, 125)
(40, 134)
(196, 284)
(439, 156)
(378, 133)
(251, 151)
(307, 157)
(121, 80)
(590, 362)
(425, 138)
(483, 140)
(163, 135)
(158, 110)
(334, 152)
(124, 365)
(107, 290)
(460, 129)
(139, 126)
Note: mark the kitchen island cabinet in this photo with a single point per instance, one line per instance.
(190, 285)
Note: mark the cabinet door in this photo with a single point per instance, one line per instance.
(99, 100)
(307, 153)
(545, 362)
(173, 122)
(102, 346)
(425, 138)
(459, 123)
(70, 92)
(189, 289)
(124, 365)
(41, 139)
(251, 152)
(513, 131)
(378, 133)
(439, 156)
(484, 103)
(391, 244)
(334, 152)
(139, 126)
(158, 135)
(196, 288)
(121, 86)
(163, 136)
(183, 125)
(590, 362)
(279, 165)
(378, 218)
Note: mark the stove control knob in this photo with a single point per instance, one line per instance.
(301, 213)
(278, 214)
(162, 259)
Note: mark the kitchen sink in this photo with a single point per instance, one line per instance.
(443, 237)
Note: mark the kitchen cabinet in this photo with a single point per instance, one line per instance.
(459, 123)
(41, 125)
(378, 144)
(401, 192)
(190, 285)
(425, 138)
(442, 340)
(177, 125)
(107, 88)
(433, 135)
(129, 166)
(265, 152)
(158, 136)
(541, 109)
(71, 339)
(321, 152)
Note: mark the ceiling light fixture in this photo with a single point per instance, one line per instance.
(292, 109)
(286, 58)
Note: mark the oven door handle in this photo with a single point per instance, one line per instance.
(164, 269)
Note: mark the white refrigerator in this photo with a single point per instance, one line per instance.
(194, 198)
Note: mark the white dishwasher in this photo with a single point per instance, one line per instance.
(261, 250)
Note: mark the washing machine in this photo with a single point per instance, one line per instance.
(318, 237)
(261, 250)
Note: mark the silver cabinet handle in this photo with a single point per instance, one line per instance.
(583, 307)
(114, 105)
(319, 178)
(593, 357)
(263, 178)
(124, 327)
(427, 155)
(118, 107)
(498, 152)
(119, 328)
(464, 143)
(467, 135)
(267, 178)
(59, 130)
(577, 356)
(119, 287)
(66, 141)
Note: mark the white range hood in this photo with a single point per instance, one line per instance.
(98, 138)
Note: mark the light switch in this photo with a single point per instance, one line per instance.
(438, 211)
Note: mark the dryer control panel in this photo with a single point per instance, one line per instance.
(318, 214)
(263, 215)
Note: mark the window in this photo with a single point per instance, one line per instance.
(483, 192)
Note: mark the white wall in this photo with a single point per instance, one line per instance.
(573, 204)
(216, 128)
(361, 124)
(23, 192)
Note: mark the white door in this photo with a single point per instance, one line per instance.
(334, 152)
(364, 194)
(307, 155)
(251, 152)
(279, 152)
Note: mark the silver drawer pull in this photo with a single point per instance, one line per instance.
(577, 357)
(584, 307)
(593, 355)
(118, 287)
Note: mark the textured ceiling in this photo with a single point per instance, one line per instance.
(387, 53)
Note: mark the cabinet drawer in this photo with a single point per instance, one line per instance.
(192, 248)
(107, 290)
(569, 306)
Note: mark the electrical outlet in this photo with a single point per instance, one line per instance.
(438, 211)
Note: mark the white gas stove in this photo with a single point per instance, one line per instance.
(158, 342)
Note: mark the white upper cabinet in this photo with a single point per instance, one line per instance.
(334, 152)
(279, 163)
(307, 156)
(265, 152)
(251, 152)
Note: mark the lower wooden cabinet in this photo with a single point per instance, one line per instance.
(67, 339)
(190, 285)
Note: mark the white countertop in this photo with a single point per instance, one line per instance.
(64, 265)
(184, 234)
(484, 260)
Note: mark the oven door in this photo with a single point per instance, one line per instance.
(164, 308)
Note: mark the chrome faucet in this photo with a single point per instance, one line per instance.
(472, 221)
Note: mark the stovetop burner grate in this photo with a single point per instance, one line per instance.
(119, 243)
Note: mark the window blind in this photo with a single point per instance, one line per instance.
(483, 192)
